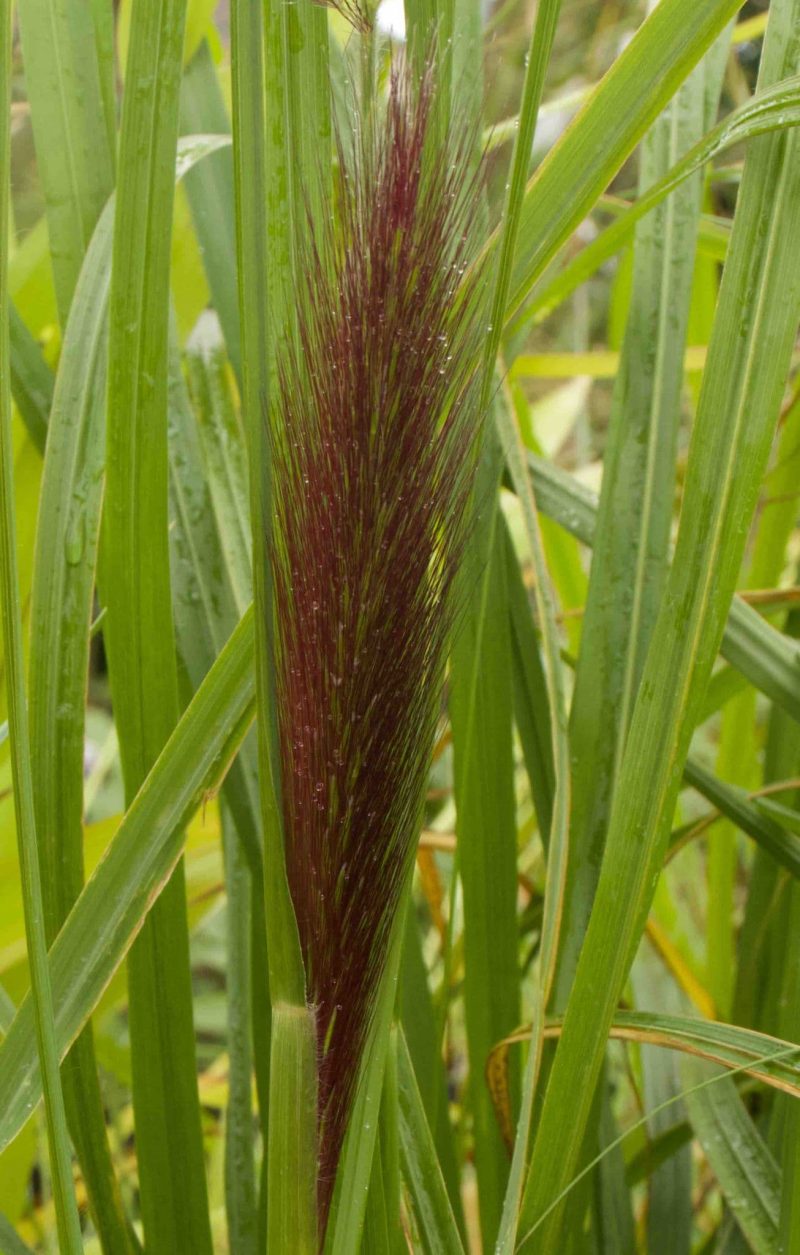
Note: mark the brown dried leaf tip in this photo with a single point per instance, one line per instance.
(374, 435)
(355, 13)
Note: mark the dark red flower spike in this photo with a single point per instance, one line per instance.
(375, 428)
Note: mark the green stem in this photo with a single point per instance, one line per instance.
(240, 1184)
(262, 179)
(291, 1186)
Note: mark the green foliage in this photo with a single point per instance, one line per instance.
(594, 963)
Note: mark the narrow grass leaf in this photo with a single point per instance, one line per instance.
(376, 1223)
(619, 111)
(382, 1224)
(212, 584)
(658, 1152)
(209, 189)
(209, 554)
(772, 826)
(481, 716)
(531, 704)
(744, 1167)
(772, 1061)
(434, 1215)
(785, 815)
(480, 703)
(389, 1137)
(202, 556)
(65, 73)
(264, 256)
(61, 610)
(630, 552)
(564, 557)
(541, 45)
(31, 379)
(10, 1241)
(345, 1226)
(69, 1232)
(240, 1180)
(7, 1011)
(767, 658)
(613, 1219)
(672, 1140)
(774, 108)
(776, 956)
(136, 866)
(226, 466)
(420, 1029)
(744, 378)
(138, 630)
(250, 177)
(557, 839)
(507, 1236)
(790, 1150)
(212, 579)
(631, 548)
(774, 525)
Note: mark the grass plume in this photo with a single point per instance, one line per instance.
(375, 437)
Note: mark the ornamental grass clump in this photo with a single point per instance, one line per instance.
(375, 436)
(250, 482)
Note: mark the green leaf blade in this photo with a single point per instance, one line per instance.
(744, 376)
(139, 629)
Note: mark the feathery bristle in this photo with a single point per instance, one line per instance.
(375, 431)
(353, 10)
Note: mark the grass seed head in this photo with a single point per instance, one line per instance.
(375, 432)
